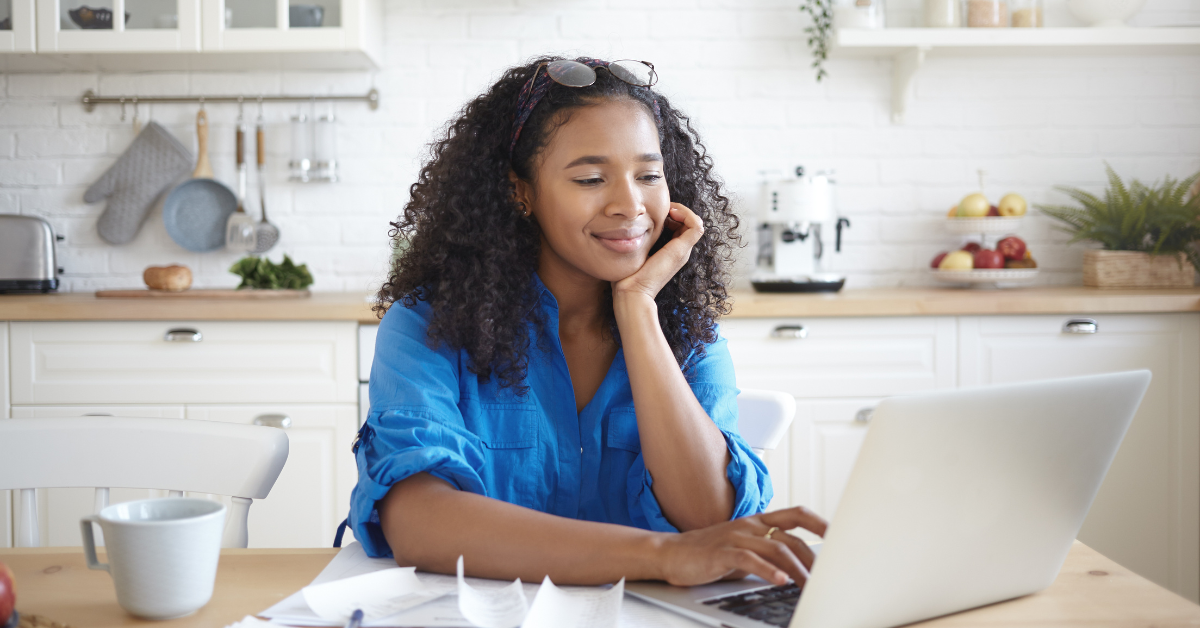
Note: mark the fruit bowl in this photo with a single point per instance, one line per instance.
(988, 225)
(991, 275)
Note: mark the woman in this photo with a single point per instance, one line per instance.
(549, 394)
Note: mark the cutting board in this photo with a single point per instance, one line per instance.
(202, 294)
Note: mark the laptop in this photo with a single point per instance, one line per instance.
(958, 499)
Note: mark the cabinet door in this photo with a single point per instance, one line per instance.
(60, 509)
(312, 494)
(223, 362)
(17, 26)
(1147, 513)
(150, 26)
(6, 514)
(291, 25)
(842, 357)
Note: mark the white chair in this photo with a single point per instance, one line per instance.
(764, 417)
(240, 461)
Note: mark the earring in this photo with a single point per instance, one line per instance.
(524, 210)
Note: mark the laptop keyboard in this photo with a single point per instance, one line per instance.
(774, 605)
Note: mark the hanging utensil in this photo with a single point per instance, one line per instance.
(197, 210)
(267, 234)
(240, 229)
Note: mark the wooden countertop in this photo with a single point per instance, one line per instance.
(354, 306)
(55, 583)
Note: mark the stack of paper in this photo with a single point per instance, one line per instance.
(400, 596)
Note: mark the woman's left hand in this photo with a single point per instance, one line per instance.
(686, 229)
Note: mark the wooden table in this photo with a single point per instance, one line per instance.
(1091, 590)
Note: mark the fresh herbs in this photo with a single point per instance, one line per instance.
(262, 274)
(821, 12)
(1160, 220)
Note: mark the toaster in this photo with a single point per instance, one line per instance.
(27, 262)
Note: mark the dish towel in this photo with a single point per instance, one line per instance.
(152, 162)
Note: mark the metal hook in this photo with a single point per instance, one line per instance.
(201, 103)
(240, 103)
(122, 110)
(260, 109)
(137, 121)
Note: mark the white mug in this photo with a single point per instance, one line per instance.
(162, 553)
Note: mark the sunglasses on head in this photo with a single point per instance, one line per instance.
(572, 73)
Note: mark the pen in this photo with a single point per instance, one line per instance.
(355, 619)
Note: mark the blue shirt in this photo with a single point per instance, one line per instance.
(430, 414)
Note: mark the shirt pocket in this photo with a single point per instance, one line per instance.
(514, 471)
(623, 430)
(507, 426)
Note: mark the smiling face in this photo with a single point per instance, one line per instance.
(601, 195)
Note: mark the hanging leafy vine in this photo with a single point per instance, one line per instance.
(821, 12)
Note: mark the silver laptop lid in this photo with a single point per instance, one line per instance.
(966, 497)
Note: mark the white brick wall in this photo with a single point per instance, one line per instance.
(738, 67)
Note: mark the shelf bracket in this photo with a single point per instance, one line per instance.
(904, 68)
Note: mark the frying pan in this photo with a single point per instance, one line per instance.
(195, 212)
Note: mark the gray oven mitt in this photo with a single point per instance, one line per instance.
(152, 162)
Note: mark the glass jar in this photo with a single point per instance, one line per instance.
(987, 13)
(301, 161)
(943, 13)
(859, 14)
(1026, 13)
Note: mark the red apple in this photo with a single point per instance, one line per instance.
(938, 260)
(1011, 247)
(8, 594)
(987, 258)
(993, 211)
(972, 247)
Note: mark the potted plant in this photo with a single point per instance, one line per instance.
(1149, 234)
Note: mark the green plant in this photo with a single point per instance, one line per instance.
(821, 12)
(263, 274)
(1160, 220)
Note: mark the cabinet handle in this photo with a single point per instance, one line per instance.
(281, 421)
(1080, 326)
(864, 415)
(796, 332)
(183, 334)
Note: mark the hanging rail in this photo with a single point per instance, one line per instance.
(90, 99)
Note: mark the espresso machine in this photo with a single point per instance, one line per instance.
(792, 212)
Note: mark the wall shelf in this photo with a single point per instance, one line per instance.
(909, 47)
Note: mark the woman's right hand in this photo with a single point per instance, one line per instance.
(735, 548)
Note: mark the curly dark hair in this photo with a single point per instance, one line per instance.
(464, 248)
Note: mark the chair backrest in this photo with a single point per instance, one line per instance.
(239, 461)
(764, 417)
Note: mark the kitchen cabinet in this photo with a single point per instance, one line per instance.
(1147, 513)
(234, 372)
(20, 34)
(6, 519)
(153, 26)
(196, 35)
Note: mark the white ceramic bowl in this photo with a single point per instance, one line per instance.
(1105, 13)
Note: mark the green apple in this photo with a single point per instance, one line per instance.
(957, 260)
(973, 206)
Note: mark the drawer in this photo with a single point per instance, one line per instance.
(838, 357)
(225, 362)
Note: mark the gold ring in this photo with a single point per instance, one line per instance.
(773, 530)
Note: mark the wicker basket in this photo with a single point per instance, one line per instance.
(1130, 269)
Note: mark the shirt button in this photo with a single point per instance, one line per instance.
(581, 450)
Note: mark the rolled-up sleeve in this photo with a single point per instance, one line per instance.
(712, 381)
(414, 425)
